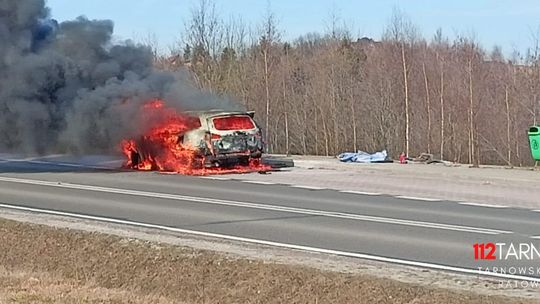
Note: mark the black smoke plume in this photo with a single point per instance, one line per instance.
(66, 87)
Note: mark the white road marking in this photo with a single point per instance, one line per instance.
(215, 177)
(483, 205)
(307, 187)
(278, 244)
(535, 237)
(60, 164)
(113, 161)
(49, 156)
(359, 192)
(359, 217)
(419, 198)
(32, 158)
(71, 165)
(257, 182)
(165, 173)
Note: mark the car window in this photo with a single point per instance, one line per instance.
(227, 123)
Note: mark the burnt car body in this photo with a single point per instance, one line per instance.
(225, 138)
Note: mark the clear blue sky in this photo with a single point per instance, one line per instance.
(508, 23)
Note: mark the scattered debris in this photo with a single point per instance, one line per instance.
(364, 157)
(428, 158)
(277, 162)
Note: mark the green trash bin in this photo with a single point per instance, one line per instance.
(534, 140)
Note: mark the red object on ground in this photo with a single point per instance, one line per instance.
(402, 158)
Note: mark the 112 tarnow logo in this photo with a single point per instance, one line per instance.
(506, 251)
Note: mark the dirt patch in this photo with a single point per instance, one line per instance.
(40, 264)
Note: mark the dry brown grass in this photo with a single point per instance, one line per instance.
(45, 265)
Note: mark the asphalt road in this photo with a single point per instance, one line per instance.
(430, 234)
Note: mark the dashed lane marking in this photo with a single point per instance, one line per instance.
(216, 177)
(257, 182)
(483, 205)
(360, 192)
(418, 198)
(308, 187)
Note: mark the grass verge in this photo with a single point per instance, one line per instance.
(40, 264)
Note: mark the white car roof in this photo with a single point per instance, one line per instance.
(217, 112)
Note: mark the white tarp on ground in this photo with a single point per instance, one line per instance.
(363, 157)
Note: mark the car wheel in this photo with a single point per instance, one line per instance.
(135, 159)
(197, 162)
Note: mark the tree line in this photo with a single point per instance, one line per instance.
(326, 93)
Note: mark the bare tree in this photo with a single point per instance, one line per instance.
(269, 36)
(204, 29)
(428, 103)
(402, 32)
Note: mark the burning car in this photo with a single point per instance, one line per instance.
(192, 142)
